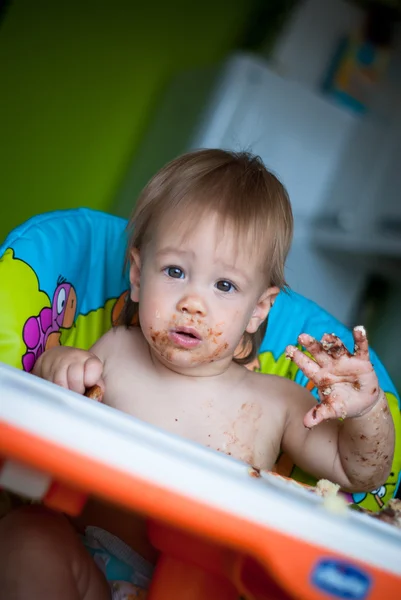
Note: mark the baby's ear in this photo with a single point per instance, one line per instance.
(135, 274)
(262, 308)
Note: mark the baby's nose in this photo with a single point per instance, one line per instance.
(193, 305)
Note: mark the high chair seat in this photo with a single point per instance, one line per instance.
(62, 281)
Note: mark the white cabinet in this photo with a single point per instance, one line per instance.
(299, 135)
(363, 211)
(387, 208)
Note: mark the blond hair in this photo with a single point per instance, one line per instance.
(235, 185)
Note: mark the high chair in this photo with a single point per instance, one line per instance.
(223, 529)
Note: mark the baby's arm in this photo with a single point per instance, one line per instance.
(357, 451)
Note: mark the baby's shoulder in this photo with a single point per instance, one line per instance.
(120, 341)
(273, 388)
(273, 385)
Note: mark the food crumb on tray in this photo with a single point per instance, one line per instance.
(326, 488)
(335, 501)
(390, 514)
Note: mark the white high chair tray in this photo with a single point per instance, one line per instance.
(129, 446)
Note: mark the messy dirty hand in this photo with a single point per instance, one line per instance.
(347, 383)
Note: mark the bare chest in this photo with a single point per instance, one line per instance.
(228, 419)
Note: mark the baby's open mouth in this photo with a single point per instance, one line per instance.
(188, 332)
(185, 337)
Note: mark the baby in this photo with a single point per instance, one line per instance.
(208, 241)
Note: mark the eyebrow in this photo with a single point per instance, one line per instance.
(173, 250)
(234, 269)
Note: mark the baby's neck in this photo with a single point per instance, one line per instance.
(216, 369)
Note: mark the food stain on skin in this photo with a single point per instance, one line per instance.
(329, 407)
(334, 346)
(324, 383)
(372, 457)
(218, 351)
(234, 447)
(241, 437)
(162, 343)
(231, 438)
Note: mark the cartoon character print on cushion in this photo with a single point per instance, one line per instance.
(42, 331)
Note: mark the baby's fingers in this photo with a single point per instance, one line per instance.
(333, 346)
(315, 348)
(93, 370)
(308, 366)
(81, 375)
(324, 411)
(361, 348)
(74, 377)
(59, 376)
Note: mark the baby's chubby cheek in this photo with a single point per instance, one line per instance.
(216, 349)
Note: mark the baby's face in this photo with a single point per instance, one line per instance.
(197, 294)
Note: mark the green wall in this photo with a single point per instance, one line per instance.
(78, 83)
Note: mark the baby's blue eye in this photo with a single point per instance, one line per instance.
(225, 286)
(174, 272)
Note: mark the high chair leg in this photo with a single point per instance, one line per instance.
(190, 568)
(178, 580)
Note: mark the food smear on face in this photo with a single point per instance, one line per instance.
(191, 334)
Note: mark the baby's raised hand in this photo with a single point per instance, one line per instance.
(347, 383)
